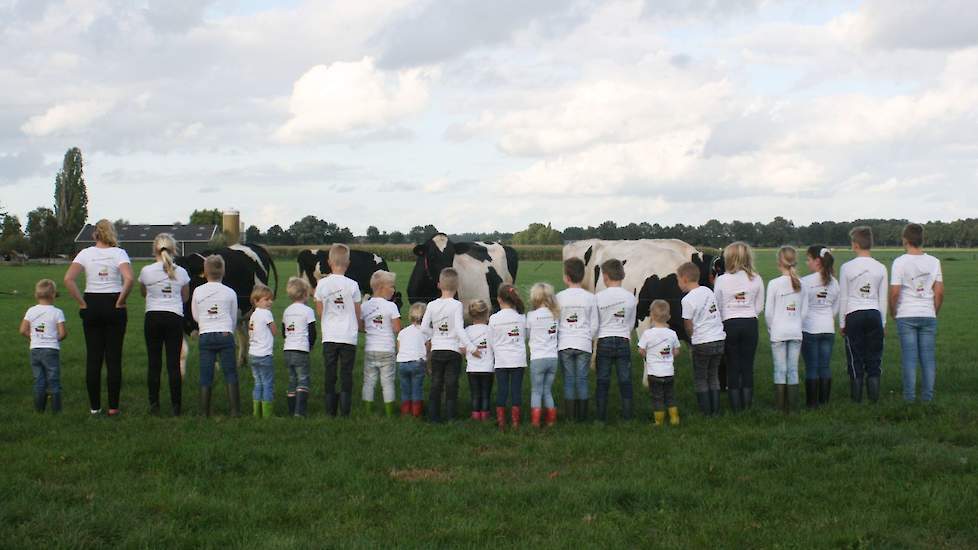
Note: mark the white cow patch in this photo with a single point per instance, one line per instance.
(441, 241)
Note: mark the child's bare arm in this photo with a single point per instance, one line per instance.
(25, 328)
(273, 329)
(688, 325)
(62, 331)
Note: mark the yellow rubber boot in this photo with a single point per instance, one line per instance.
(674, 416)
(659, 417)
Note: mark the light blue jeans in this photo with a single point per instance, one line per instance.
(785, 357)
(411, 374)
(213, 345)
(46, 367)
(263, 369)
(917, 342)
(576, 364)
(543, 372)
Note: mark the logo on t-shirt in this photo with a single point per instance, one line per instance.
(251, 326)
(791, 307)
(514, 332)
(741, 296)
(291, 327)
(338, 301)
(482, 345)
(103, 272)
(822, 294)
(167, 289)
(40, 328)
(666, 352)
(865, 290)
(620, 313)
(378, 320)
(572, 318)
(552, 329)
(713, 307)
(443, 327)
(212, 310)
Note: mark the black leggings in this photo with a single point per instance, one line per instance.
(739, 350)
(105, 328)
(480, 387)
(163, 329)
(339, 357)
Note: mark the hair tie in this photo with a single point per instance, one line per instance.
(823, 252)
(164, 249)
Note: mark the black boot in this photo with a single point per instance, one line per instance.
(346, 402)
(735, 400)
(856, 388)
(811, 393)
(780, 398)
(582, 407)
(601, 404)
(824, 390)
(570, 409)
(434, 409)
(234, 400)
(56, 402)
(626, 408)
(40, 401)
(177, 408)
(703, 400)
(791, 398)
(205, 401)
(747, 396)
(290, 401)
(154, 408)
(331, 403)
(873, 388)
(715, 402)
(301, 402)
(450, 409)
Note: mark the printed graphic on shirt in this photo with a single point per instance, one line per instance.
(919, 283)
(377, 320)
(713, 307)
(741, 296)
(822, 294)
(167, 289)
(40, 328)
(442, 325)
(213, 310)
(791, 307)
(482, 344)
(572, 318)
(290, 328)
(103, 272)
(552, 329)
(514, 332)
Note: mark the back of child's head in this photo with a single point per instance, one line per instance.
(659, 310)
(738, 256)
(542, 295)
(788, 259)
(479, 311)
(45, 289)
(339, 255)
(448, 280)
(105, 233)
(381, 279)
(826, 261)
(862, 236)
(913, 233)
(260, 291)
(689, 271)
(214, 267)
(509, 295)
(298, 289)
(574, 270)
(416, 313)
(613, 269)
(165, 246)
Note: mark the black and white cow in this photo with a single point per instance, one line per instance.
(481, 267)
(313, 265)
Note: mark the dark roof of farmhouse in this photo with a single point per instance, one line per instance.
(146, 233)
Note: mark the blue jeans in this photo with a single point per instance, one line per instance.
(46, 366)
(917, 341)
(575, 363)
(411, 374)
(510, 386)
(785, 358)
(614, 352)
(816, 350)
(542, 375)
(298, 364)
(212, 346)
(263, 369)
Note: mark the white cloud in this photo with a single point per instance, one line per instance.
(69, 116)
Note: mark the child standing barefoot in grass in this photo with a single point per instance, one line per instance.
(508, 343)
(783, 311)
(299, 329)
(44, 326)
(541, 324)
(479, 369)
(413, 349)
(659, 345)
(261, 343)
(381, 323)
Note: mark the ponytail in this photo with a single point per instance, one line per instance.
(509, 294)
(164, 245)
(788, 258)
(826, 261)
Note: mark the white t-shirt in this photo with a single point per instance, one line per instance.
(214, 307)
(700, 307)
(916, 276)
(411, 344)
(338, 295)
(444, 324)
(616, 312)
(101, 265)
(296, 319)
(162, 292)
(508, 339)
(378, 324)
(661, 346)
(542, 329)
(260, 338)
(480, 336)
(862, 286)
(739, 296)
(44, 321)
(784, 309)
(823, 304)
(578, 319)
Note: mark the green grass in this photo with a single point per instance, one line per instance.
(885, 475)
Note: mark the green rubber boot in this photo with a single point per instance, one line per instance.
(256, 409)
(267, 409)
(368, 407)
(389, 409)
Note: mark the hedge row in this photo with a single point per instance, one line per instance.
(405, 253)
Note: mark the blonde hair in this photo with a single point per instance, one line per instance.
(862, 236)
(479, 311)
(165, 246)
(689, 271)
(510, 295)
(542, 295)
(214, 267)
(738, 256)
(298, 289)
(45, 289)
(380, 279)
(260, 291)
(660, 311)
(105, 233)
(339, 255)
(448, 279)
(416, 313)
(788, 258)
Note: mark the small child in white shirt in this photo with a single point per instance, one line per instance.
(659, 345)
(299, 331)
(261, 344)
(381, 323)
(479, 369)
(784, 310)
(215, 308)
(338, 303)
(44, 327)
(413, 348)
(616, 321)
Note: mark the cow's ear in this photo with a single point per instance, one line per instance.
(419, 250)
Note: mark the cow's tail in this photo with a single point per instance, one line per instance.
(512, 261)
(271, 263)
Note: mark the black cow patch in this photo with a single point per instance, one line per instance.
(362, 266)
(587, 255)
(666, 289)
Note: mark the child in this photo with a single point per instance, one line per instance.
(381, 322)
(479, 369)
(299, 329)
(261, 341)
(701, 318)
(616, 320)
(443, 323)
(783, 311)
(44, 326)
(818, 324)
(862, 315)
(215, 308)
(508, 330)
(916, 296)
(739, 294)
(575, 337)
(541, 326)
(659, 345)
(413, 349)
(338, 304)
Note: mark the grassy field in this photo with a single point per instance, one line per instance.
(856, 476)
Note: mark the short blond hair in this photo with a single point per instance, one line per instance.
(260, 291)
(339, 255)
(298, 289)
(380, 279)
(862, 236)
(214, 267)
(542, 295)
(416, 313)
(688, 271)
(448, 279)
(614, 269)
(45, 289)
(105, 233)
(738, 256)
(479, 310)
(660, 311)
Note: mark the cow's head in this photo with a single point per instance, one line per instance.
(431, 256)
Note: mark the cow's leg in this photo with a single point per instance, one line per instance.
(241, 334)
(184, 352)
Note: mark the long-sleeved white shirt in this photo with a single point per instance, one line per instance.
(739, 296)
(542, 328)
(616, 312)
(823, 304)
(578, 325)
(444, 324)
(784, 310)
(508, 331)
(215, 308)
(862, 286)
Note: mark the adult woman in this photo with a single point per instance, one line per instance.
(166, 287)
(740, 297)
(108, 280)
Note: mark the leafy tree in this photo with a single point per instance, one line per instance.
(373, 234)
(70, 198)
(313, 230)
(12, 236)
(42, 228)
(419, 234)
(537, 233)
(207, 217)
(574, 233)
(277, 235)
(253, 235)
(396, 237)
(121, 222)
(608, 230)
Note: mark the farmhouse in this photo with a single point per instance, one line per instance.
(137, 240)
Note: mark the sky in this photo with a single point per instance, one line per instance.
(481, 116)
